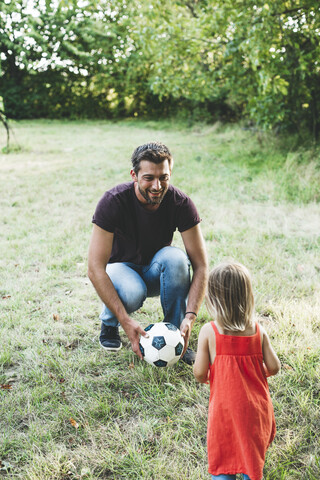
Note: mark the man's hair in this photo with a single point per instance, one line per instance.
(229, 296)
(155, 152)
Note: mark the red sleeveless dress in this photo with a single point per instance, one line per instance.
(241, 422)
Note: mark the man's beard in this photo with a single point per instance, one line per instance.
(155, 200)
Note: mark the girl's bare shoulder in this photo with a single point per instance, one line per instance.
(207, 329)
(262, 330)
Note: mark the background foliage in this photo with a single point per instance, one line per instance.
(203, 60)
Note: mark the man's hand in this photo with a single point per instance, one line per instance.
(133, 331)
(185, 330)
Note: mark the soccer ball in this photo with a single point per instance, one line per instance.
(164, 345)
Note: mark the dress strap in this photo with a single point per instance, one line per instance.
(218, 338)
(258, 329)
(215, 328)
(258, 335)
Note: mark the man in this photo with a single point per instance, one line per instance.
(130, 257)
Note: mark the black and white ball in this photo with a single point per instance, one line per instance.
(164, 346)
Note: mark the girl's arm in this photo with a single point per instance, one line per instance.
(202, 362)
(270, 357)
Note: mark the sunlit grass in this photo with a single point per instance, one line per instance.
(258, 204)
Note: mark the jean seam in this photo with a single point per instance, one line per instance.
(162, 282)
(146, 268)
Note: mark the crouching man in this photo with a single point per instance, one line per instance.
(130, 253)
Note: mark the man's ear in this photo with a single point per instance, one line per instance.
(133, 175)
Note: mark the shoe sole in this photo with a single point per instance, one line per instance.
(110, 349)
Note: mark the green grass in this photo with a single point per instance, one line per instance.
(259, 203)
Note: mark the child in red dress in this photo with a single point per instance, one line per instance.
(235, 355)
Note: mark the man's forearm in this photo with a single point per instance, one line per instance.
(197, 289)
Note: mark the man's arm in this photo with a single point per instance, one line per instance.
(195, 248)
(98, 257)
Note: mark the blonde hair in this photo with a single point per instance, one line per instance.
(229, 296)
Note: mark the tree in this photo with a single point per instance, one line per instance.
(55, 56)
(227, 58)
(259, 58)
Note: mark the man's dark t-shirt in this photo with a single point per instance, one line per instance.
(140, 233)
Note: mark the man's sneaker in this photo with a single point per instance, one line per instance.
(110, 338)
(189, 357)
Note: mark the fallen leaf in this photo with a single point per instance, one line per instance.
(131, 365)
(74, 423)
(4, 386)
(56, 317)
(287, 367)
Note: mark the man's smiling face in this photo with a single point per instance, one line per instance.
(151, 182)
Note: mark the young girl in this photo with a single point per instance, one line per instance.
(235, 355)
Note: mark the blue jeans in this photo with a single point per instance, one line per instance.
(228, 477)
(167, 275)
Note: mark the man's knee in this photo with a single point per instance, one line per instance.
(129, 286)
(176, 264)
(173, 256)
(133, 296)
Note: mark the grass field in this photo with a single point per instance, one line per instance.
(68, 411)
